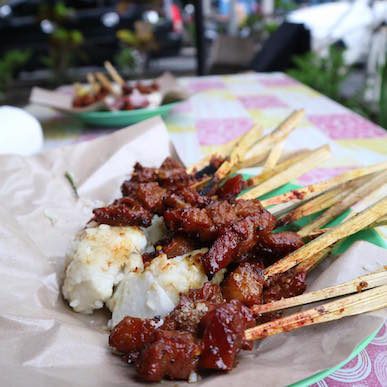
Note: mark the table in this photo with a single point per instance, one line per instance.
(227, 106)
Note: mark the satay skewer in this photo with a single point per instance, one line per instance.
(367, 301)
(94, 85)
(380, 222)
(105, 83)
(317, 188)
(238, 151)
(279, 133)
(347, 228)
(359, 284)
(297, 169)
(274, 155)
(114, 73)
(251, 144)
(353, 197)
(319, 203)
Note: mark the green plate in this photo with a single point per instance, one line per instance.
(367, 235)
(123, 118)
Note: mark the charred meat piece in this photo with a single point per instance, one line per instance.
(192, 307)
(211, 168)
(177, 245)
(237, 240)
(207, 223)
(142, 174)
(132, 333)
(223, 335)
(185, 197)
(172, 354)
(231, 188)
(123, 215)
(151, 196)
(276, 246)
(192, 221)
(245, 284)
(172, 173)
(289, 284)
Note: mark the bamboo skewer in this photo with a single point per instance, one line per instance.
(93, 83)
(314, 189)
(353, 197)
(367, 201)
(310, 263)
(278, 168)
(257, 152)
(349, 227)
(277, 134)
(379, 223)
(238, 151)
(222, 151)
(114, 73)
(364, 302)
(297, 169)
(274, 156)
(359, 284)
(105, 82)
(319, 203)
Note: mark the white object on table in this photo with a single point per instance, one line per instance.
(20, 132)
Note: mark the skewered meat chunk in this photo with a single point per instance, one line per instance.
(186, 197)
(121, 214)
(223, 335)
(210, 169)
(151, 196)
(132, 333)
(141, 174)
(238, 239)
(207, 223)
(172, 354)
(245, 284)
(285, 285)
(192, 307)
(177, 245)
(278, 245)
(231, 188)
(192, 221)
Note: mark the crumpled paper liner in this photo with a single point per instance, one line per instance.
(44, 343)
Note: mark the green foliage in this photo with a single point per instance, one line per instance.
(252, 20)
(64, 43)
(383, 96)
(285, 5)
(271, 26)
(67, 38)
(326, 76)
(9, 64)
(127, 37)
(57, 12)
(126, 60)
(322, 74)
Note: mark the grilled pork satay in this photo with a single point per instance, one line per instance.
(202, 332)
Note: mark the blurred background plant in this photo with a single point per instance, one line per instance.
(10, 63)
(64, 43)
(327, 74)
(323, 73)
(135, 47)
(383, 96)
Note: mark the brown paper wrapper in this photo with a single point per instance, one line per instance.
(44, 343)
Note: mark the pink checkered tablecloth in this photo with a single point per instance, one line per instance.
(224, 107)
